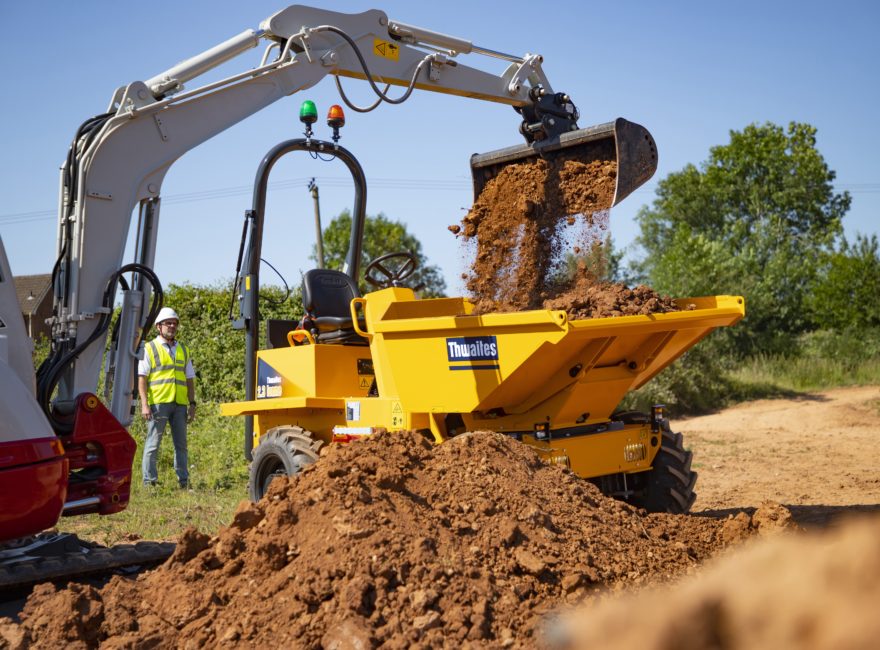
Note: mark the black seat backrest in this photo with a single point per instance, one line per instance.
(328, 293)
(276, 332)
(327, 297)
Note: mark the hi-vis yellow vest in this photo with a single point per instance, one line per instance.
(167, 379)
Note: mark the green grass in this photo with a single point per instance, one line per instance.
(218, 477)
(761, 377)
(705, 379)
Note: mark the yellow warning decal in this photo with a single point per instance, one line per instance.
(366, 382)
(386, 49)
(397, 419)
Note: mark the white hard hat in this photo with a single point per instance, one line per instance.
(166, 313)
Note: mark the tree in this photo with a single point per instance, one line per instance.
(754, 219)
(847, 293)
(381, 236)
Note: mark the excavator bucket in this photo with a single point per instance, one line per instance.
(628, 144)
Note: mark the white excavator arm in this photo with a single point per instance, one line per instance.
(119, 159)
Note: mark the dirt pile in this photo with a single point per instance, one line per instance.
(817, 591)
(538, 229)
(389, 541)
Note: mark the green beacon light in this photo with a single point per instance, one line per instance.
(308, 115)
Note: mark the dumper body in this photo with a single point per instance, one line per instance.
(432, 365)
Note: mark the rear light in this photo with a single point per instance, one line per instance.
(657, 416)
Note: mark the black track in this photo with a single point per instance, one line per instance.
(87, 560)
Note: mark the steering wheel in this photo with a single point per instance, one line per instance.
(390, 275)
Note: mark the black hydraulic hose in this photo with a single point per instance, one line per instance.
(366, 69)
(88, 130)
(156, 302)
(277, 303)
(114, 335)
(49, 380)
(248, 215)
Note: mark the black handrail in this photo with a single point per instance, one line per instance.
(249, 275)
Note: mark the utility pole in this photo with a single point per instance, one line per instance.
(313, 188)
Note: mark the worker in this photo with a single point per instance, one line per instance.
(166, 383)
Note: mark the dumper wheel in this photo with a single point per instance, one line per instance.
(669, 485)
(283, 451)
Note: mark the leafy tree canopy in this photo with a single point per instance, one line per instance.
(381, 236)
(755, 219)
(847, 293)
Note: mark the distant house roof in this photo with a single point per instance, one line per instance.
(31, 290)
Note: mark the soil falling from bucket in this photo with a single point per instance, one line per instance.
(538, 234)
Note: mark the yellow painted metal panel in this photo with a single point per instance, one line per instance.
(535, 355)
(626, 450)
(282, 403)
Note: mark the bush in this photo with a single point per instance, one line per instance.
(217, 349)
(850, 346)
(847, 293)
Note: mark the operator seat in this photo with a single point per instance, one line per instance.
(327, 296)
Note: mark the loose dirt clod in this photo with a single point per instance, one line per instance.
(388, 541)
(530, 226)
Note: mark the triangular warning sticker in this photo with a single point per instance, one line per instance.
(396, 409)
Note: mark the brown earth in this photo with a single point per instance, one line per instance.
(817, 454)
(818, 591)
(537, 230)
(391, 541)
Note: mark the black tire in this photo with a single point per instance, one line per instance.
(283, 451)
(669, 485)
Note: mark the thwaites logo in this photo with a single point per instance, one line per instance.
(464, 351)
(269, 381)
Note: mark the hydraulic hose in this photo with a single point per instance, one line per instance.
(49, 376)
(382, 96)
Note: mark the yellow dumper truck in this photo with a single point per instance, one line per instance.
(387, 361)
(538, 376)
(356, 365)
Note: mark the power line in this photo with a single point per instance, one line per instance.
(242, 190)
(439, 185)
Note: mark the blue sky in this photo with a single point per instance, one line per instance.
(689, 71)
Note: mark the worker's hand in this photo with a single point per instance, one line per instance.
(145, 412)
(191, 414)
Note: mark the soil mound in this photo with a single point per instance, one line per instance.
(538, 229)
(388, 541)
(807, 592)
(589, 299)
